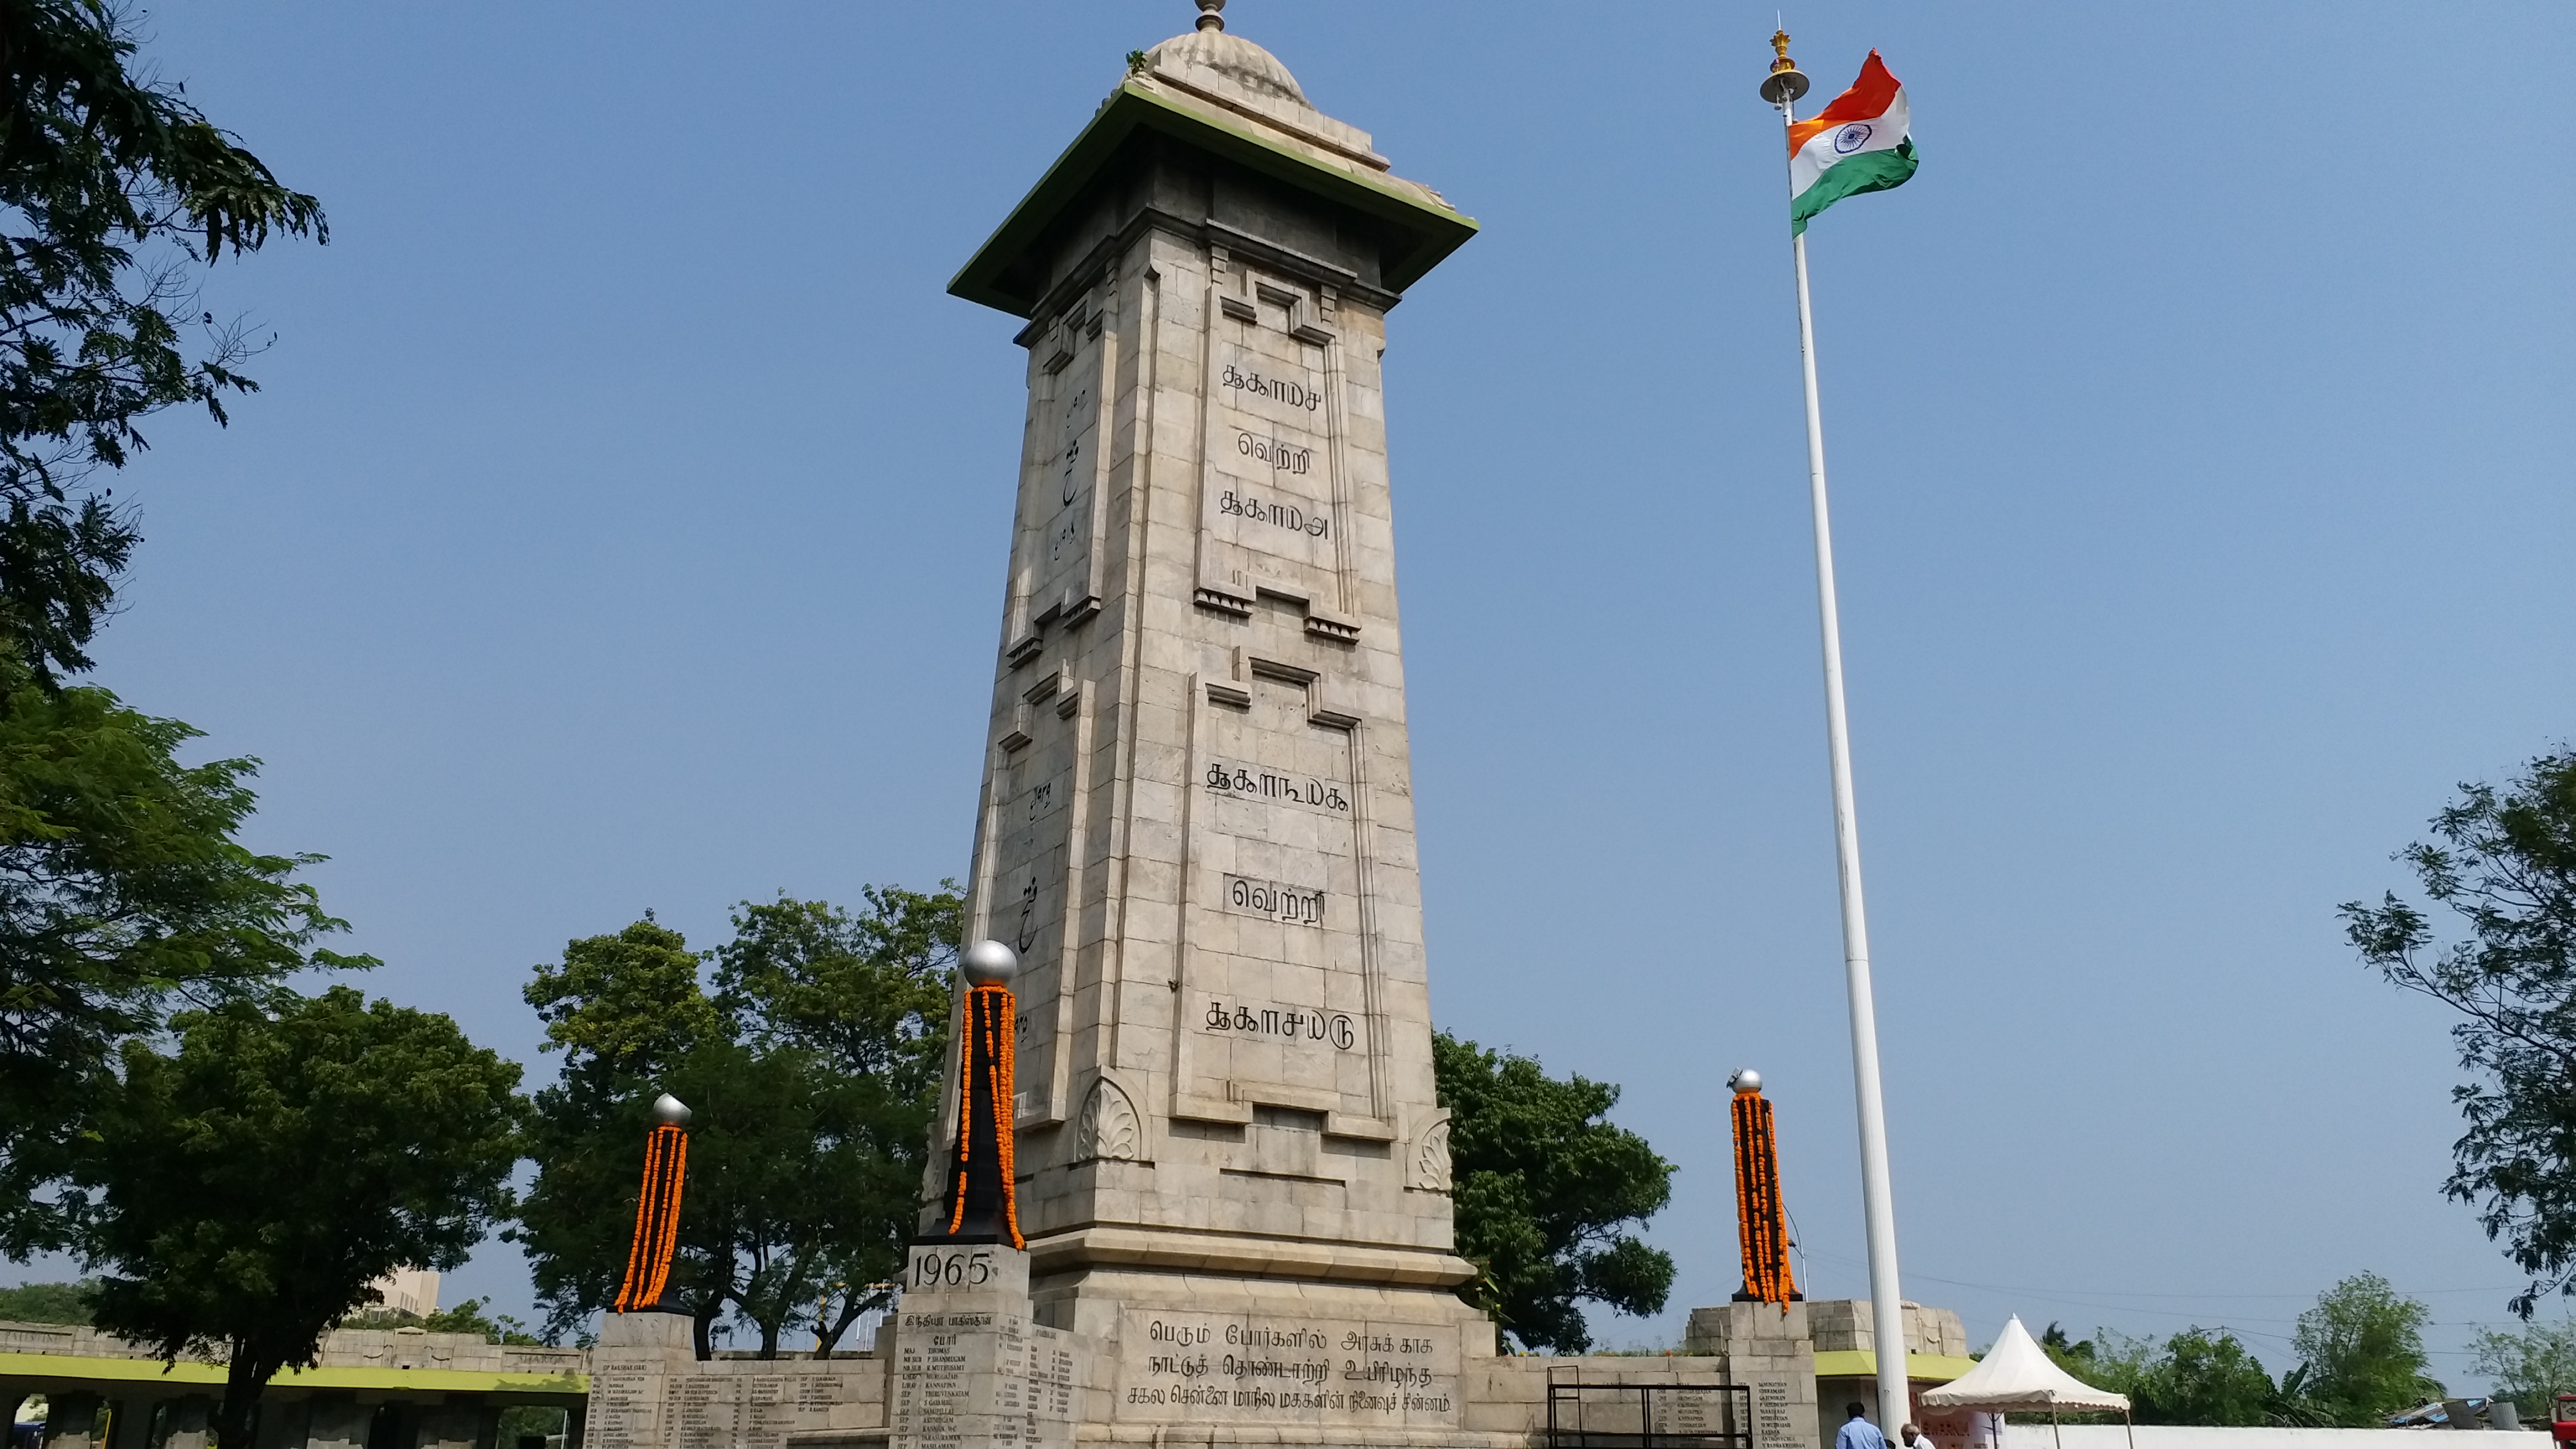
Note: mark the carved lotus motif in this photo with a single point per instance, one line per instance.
(1107, 1128)
(1431, 1157)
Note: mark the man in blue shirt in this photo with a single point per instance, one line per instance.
(1857, 1432)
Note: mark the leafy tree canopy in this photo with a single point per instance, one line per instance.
(812, 1068)
(122, 890)
(2531, 1365)
(2504, 862)
(1544, 1184)
(624, 1006)
(2201, 1378)
(48, 1302)
(115, 195)
(252, 1185)
(465, 1317)
(2363, 1351)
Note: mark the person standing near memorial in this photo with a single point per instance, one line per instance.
(1857, 1431)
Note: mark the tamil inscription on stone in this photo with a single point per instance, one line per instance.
(1278, 1374)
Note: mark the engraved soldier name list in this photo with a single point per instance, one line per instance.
(969, 1367)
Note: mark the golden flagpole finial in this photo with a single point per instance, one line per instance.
(1786, 82)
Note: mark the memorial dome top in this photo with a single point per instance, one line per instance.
(1233, 57)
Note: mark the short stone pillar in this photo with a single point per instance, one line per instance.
(449, 1426)
(189, 1416)
(1768, 1350)
(279, 1423)
(637, 1357)
(338, 1423)
(129, 1421)
(971, 1368)
(71, 1421)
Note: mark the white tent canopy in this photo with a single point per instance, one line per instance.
(2017, 1374)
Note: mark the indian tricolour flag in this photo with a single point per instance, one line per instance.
(1857, 144)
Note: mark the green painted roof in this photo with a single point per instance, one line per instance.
(81, 1368)
(1862, 1363)
(1436, 230)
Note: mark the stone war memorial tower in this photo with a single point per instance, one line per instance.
(1190, 1184)
(1196, 822)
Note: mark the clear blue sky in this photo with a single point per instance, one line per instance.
(623, 525)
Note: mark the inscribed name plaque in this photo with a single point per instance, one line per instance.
(1270, 501)
(650, 1390)
(970, 1368)
(625, 1405)
(1775, 1426)
(1060, 577)
(1279, 987)
(1277, 1373)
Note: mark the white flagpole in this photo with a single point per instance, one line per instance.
(1878, 1207)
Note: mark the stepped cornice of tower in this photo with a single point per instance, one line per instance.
(1226, 95)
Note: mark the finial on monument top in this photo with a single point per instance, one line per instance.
(670, 1111)
(988, 963)
(1746, 1080)
(1209, 19)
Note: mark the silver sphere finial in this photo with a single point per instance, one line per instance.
(1745, 1080)
(989, 963)
(1208, 17)
(670, 1111)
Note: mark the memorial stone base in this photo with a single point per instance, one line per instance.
(1223, 1359)
(1768, 1347)
(1175, 1359)
(649, 1390)
(971, 1369)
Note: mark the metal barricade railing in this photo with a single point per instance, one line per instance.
(1613, 1415)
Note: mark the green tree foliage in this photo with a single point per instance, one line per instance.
(1543, 1186)
(2107, 1360)
(122, 889)
(2504, 861)
(465, 1317)
(2203, 1379)
(864, 999)
(2531, 1365)
(626, 1011)
(2193, 1377)
(48, 1302)
(2362, 1349)
(813, 1069)
(253, 1184)
(117, 194)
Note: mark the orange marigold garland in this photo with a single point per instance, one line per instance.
(1002, 1014)
(657, 1209)
(1762, 1219)
(965, 1116)
(990, 1011)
